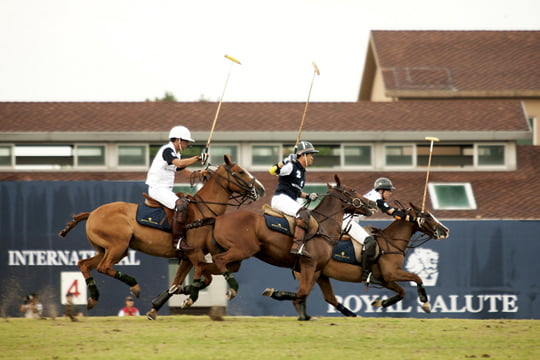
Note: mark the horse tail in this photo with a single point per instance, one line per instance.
(70, 225)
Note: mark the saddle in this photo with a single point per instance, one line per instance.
(152, 213)
(349, 251)
(279, 221)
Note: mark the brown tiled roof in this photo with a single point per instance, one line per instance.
(499, 195)
(458, 63)
(437, 115)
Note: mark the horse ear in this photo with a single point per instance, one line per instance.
(227, 159)
(338, 181)
(413, 206)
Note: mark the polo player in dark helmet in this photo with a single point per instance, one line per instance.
(292, 178)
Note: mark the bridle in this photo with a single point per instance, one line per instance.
(348, 199)
(248, 191)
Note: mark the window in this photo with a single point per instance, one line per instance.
(265, 155)
(329, 156)
(357, 155)
(91, 155)
(218, 151)
(490, 155)
(132, 155)
(43, 156)
(452, 196)
(5, 156)
(320, 189)
(445, 155)
(399, 155)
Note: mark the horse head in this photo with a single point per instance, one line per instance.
(238, 180)
(352, 202)
(428, 223)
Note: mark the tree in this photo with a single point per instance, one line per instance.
(169, 96)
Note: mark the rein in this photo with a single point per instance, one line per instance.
(324, 217)
(410, 242)
(239, 199)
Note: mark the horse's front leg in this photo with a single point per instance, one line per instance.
(176, 288)
(306, 281)
(402, 275)
(330, 297)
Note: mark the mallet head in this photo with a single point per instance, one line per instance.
(432, 138)
(316, 68)
(232, 59)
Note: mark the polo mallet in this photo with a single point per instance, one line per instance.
(432, 139)
(233, 61)
(315, 72)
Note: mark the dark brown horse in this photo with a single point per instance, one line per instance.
(393, 241)
(239, 235)
(112, 228)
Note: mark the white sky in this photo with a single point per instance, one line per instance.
(131, 50)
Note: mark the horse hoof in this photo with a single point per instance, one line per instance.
(377, 303)
(151, 315)
(187, 303)
(135, 290)
(426, 307)
(268, 292)
(91, 303)
(231, 294)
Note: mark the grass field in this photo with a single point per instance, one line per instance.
(198, 337)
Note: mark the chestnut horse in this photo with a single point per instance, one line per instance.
(392, 241)
(241, 234)
(112, 228)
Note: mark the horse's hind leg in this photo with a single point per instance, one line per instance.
(86, 266)
(106, 267)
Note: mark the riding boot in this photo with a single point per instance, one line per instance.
(178, 225)
(368, 258)
(301, 224)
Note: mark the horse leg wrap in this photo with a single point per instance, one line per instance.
(283, 295)
(391, 301)
(301, 310)
(162, 298)
(92, 288)
(231, 280)
(194, 290)
(342, 309)
(422, 295)
(125, 278)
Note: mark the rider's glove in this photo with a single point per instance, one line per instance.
(274, 170)
(203, 157)
(290, 158)
(313, 196)
(399, 214)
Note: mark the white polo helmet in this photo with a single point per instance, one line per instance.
(180, 132)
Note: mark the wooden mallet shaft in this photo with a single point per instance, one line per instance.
(432, 139)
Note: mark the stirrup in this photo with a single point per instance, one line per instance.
(300, 251)
(182, 246)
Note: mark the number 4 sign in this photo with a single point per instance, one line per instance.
(73, 282)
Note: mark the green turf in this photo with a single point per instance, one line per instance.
(198, 337)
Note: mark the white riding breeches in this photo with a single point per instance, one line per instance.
(164, 195)
(285, 204)
(356, 232)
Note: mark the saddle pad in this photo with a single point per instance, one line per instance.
(278, 224)
(344, 252)
(153, 217)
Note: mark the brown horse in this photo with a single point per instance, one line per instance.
(392, 241)
(239, 235)
(112, 228)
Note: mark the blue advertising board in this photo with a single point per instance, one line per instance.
(485, 269)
